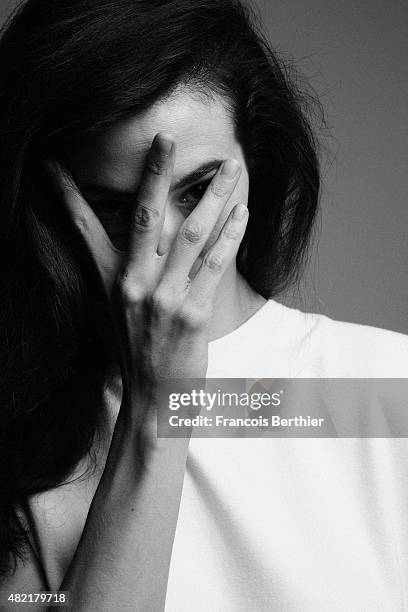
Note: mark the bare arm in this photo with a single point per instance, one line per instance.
(122, 560)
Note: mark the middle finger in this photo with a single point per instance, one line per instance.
(148, 214)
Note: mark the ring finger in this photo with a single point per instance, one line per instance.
(219, 257)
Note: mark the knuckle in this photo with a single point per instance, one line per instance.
(161, 303)
(157, 166)
(231, 234)
(214, 262)
(66, 183)
(82, 222)
(191, 317)
(191, 233)
(145, 218)
(218, 189)
(130, 292)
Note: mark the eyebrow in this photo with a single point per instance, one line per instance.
(198, 173)
(185, 181)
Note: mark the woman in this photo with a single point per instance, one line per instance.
(135, 137)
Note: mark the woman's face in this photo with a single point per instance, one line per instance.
(108, 167)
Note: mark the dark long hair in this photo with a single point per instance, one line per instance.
(72, 67)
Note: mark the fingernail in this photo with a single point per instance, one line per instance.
(162, 145)
(239, 212)
(230, 168)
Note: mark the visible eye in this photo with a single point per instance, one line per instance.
(191, 196)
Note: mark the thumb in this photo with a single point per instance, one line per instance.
(104, 255)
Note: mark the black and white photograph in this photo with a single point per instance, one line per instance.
(203, 306)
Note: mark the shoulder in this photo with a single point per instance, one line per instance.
(339, 348)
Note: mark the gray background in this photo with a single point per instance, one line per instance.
(355, 57)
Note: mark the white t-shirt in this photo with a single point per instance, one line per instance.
(289, 524)
(285, 524)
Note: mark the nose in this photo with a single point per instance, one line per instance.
(172, 221)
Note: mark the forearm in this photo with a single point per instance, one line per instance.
(162, 321)
(122, 560)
